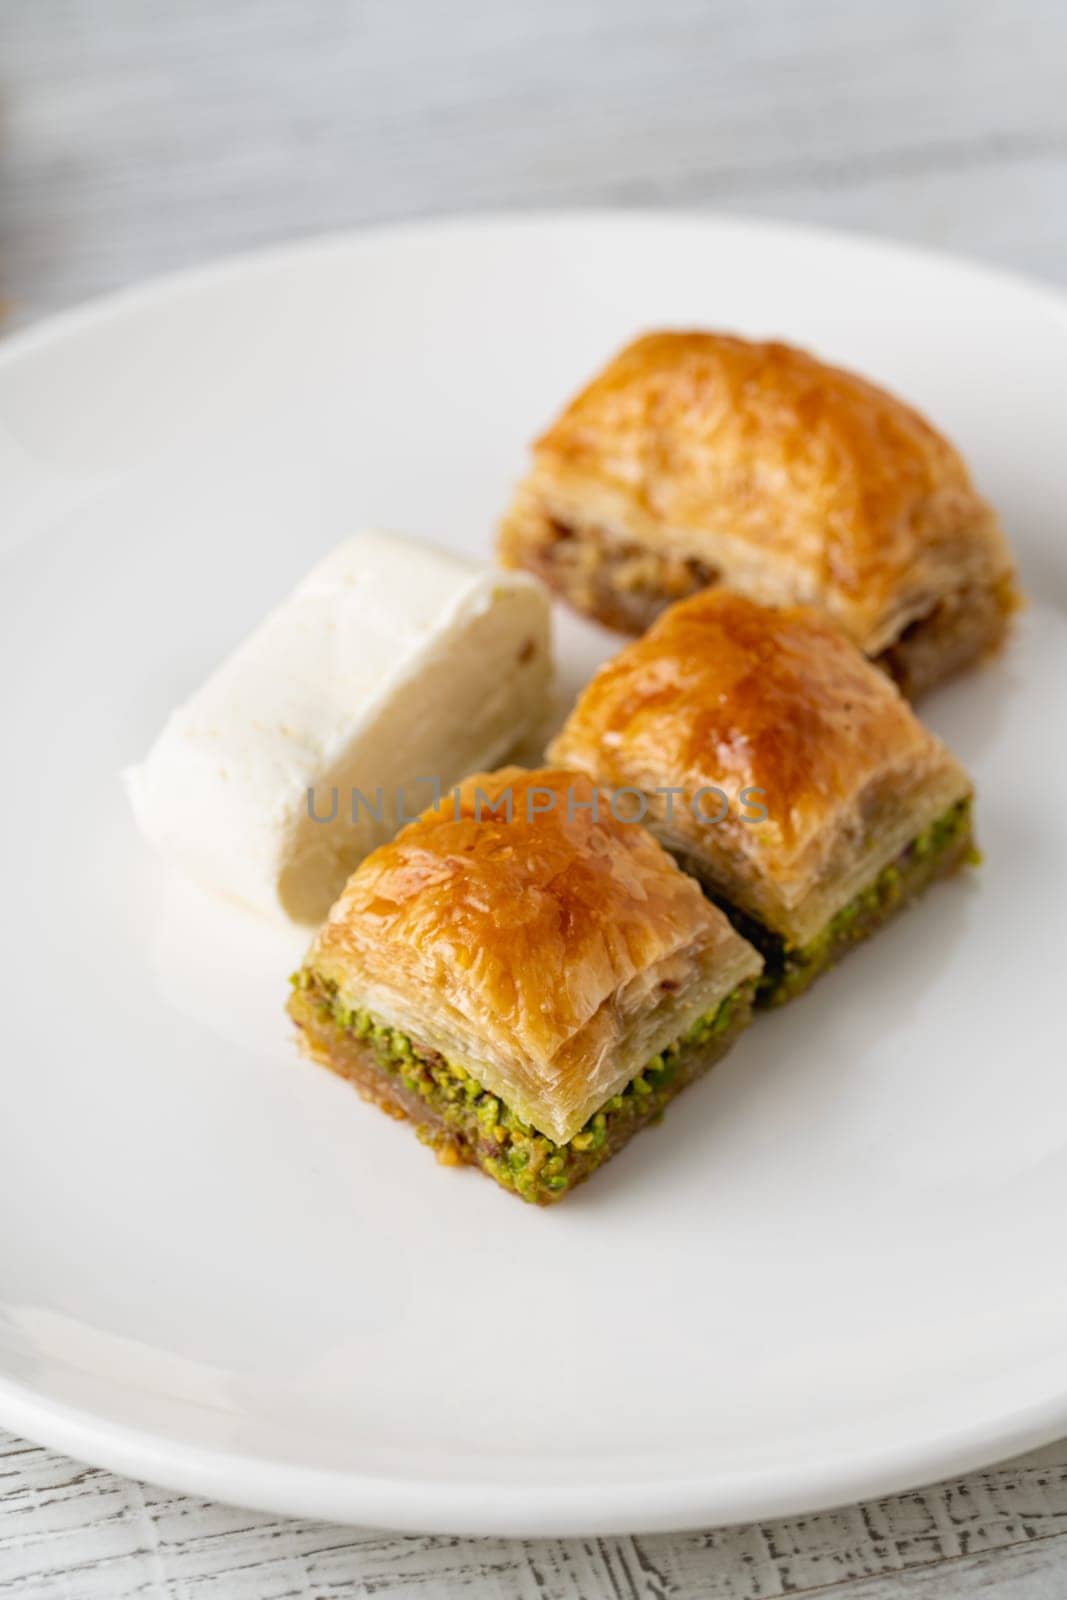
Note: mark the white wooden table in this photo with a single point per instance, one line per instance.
(138, 136)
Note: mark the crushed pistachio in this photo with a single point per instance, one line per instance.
(791, 968)
(478, 1125)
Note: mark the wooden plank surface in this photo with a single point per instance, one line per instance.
(67, 1530)
(137, 137)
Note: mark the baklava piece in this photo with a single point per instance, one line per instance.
(526, 978)
(781, 768)
(700, 458)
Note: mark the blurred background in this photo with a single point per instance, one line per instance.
(138, 135)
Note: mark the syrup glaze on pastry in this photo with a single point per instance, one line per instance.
(828, 774)
(697, 458)
(549, 959)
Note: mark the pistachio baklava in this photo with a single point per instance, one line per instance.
(701, 458)
(781, 768)
(527, 978)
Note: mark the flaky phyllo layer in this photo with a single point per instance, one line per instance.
(934, 853)
(695, 457)
(464, 1121)
(746, 698)
(557, 1093)
(547, 956)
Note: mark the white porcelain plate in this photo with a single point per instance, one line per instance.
(837, 1267)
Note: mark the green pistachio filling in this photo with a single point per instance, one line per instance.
(467, 1122)
(790, 968)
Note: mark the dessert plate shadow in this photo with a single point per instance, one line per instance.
(834, 1271)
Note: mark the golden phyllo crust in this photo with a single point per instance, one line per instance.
(548, 950)
(824, 770)
(697, 458)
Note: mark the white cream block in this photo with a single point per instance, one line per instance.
(393, 664)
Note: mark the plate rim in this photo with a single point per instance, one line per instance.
(142, 292)
(487, 1508)
(407, 1503)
